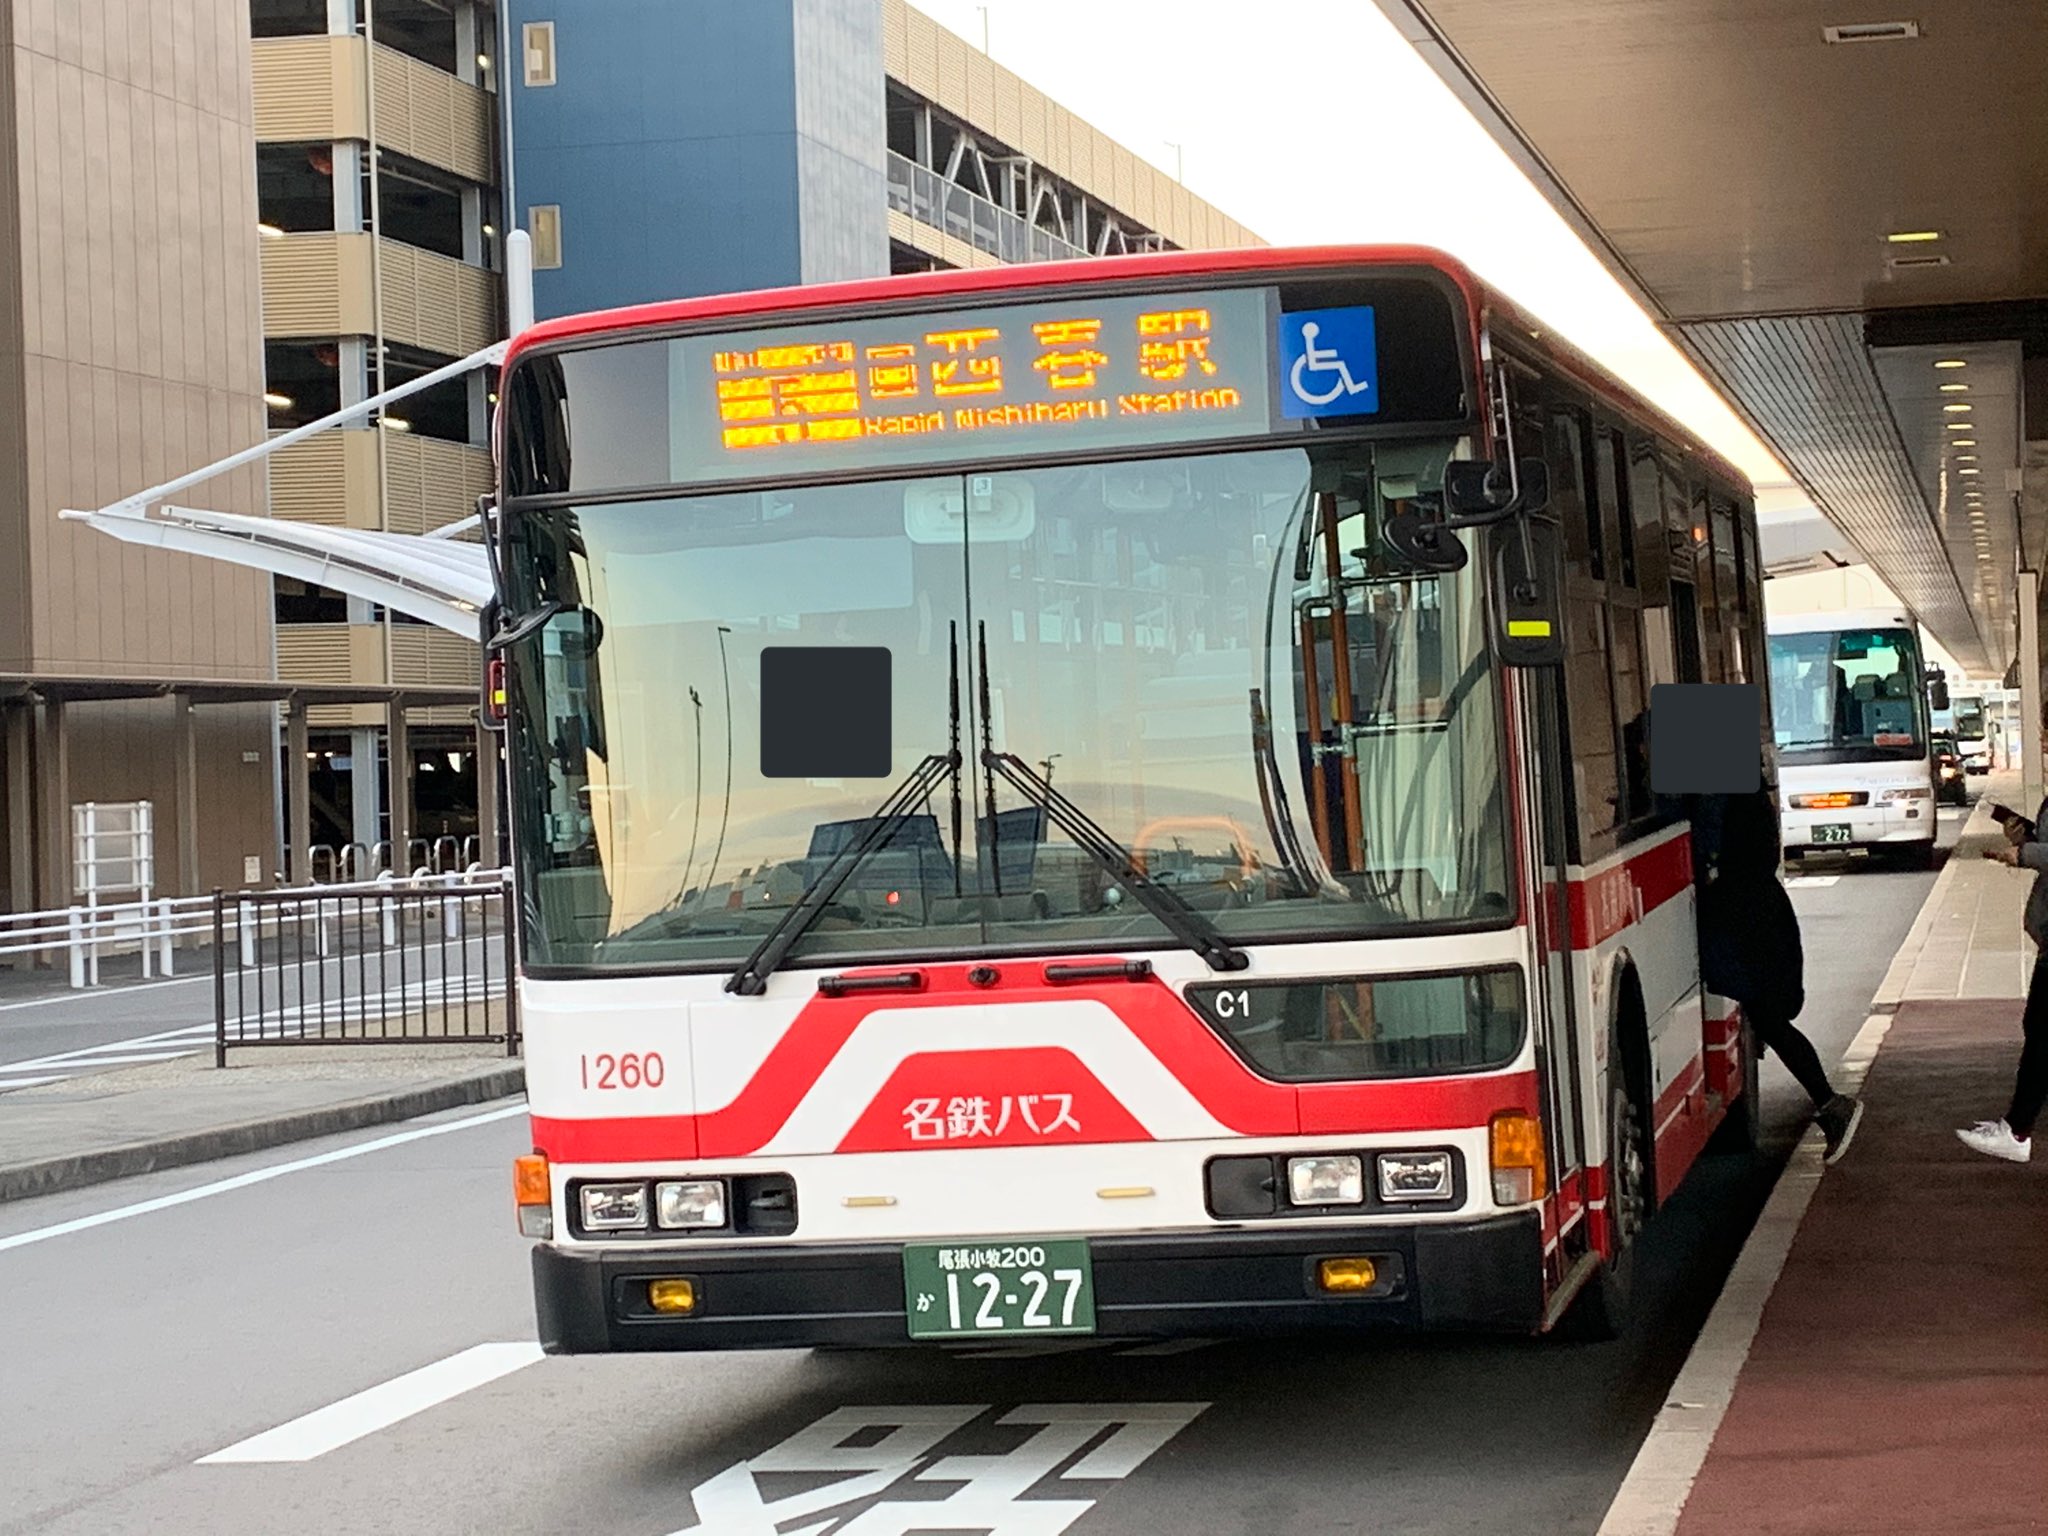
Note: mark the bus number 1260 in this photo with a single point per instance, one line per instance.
(628, 1069)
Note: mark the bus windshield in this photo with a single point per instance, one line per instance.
(1164, 641)
(1968, 718)
(1840, 696)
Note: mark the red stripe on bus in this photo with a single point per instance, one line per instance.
(1242, 1102)
(1605, 904)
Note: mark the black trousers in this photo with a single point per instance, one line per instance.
(2030, 1086)
(1777, 1033)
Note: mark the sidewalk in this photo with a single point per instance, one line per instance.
(1897, 1378)
(112, 1125)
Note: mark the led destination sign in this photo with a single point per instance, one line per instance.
(1026, 378)
(951, 387)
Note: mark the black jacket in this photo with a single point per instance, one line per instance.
(1749, 934)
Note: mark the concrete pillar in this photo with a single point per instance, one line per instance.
(366, 787)
(18, 759)
(2031, 733)
(299, 775)
(53, 806)
(398, 782)
(185, 791)
(487, 771)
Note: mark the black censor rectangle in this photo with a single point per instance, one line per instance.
(1705, 739)
(825, 712)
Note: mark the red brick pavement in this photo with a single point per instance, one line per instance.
(1899, 1378)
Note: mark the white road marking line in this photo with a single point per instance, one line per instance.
(1653, 1495)
(96, 1062)
(73, 997)
(254, 1176)
(30, 1082)
(1810, 882)
(380, 1407)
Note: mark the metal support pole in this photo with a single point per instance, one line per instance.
(53, 805)
(17, 767)
(299, 774)
(185, 765)
(2030, 690)
(486, 794)
(398, 781)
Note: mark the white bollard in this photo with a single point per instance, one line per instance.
(387, 913)
(167, 923)
(77, 944)
(246, 921)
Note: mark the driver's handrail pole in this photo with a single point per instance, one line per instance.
(752, 976)
(1340, 681)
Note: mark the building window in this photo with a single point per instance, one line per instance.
(538, 41)
(544, 223)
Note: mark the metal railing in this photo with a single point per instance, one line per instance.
(82, 934)
(933, 201)
(327, 864)
(426, 960)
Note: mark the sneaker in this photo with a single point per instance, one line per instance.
(1838, 1119)
(1994, 1138)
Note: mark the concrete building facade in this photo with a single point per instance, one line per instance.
(130, 349)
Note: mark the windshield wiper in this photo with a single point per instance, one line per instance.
(1174, 914)
(751, 979)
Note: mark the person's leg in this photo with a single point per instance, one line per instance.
(2012, 1137)
(1796, 1051)
(2030, 1085)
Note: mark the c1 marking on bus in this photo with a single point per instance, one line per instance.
(1234, 1005)
(991, 1495)
(1528, 629)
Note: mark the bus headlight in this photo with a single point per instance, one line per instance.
(1406, 1176)
(1326, 1180)
(692, 1203)
(613, 1207)
(1917, 792)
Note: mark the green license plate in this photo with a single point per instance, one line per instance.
(980, 1290)
(1832, 832)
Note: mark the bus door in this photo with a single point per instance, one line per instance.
(1555, 1006)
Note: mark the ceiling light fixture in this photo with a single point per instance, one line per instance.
(269, 231)
(1904, 263)
(1951, 362)
(1957, 407)
(1871, 32)
(396, 423)
(1913, 236)
(1962, 442)
(1968, 471)
(276, 401)
(1946, 389)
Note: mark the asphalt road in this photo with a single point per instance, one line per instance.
(137, 1345)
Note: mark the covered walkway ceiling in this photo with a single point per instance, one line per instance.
(1744, 175)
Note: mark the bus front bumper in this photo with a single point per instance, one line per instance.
(1868, 827)
(1475, 1275)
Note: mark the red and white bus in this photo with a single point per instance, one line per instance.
(1103, 797)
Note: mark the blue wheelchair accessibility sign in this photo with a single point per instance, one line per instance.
(1329, 363)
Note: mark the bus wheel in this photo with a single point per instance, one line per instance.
(1742, 1131)
(1600, 1311)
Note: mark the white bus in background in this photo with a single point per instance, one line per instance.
(1849, 713)
(1966, 722)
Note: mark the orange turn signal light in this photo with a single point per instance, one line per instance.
(1516, 1145)
(530, 1181)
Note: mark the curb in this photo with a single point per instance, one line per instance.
(22, 1181)
(1653, 1495)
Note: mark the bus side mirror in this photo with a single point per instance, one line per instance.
(1937, 691)
(1528, 595)
(1482, 491)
